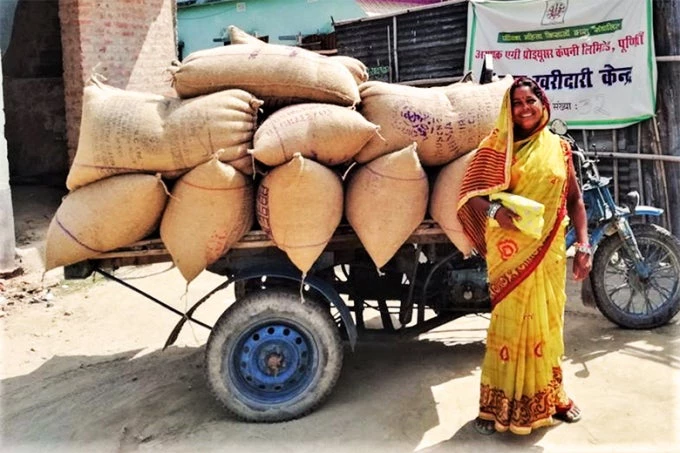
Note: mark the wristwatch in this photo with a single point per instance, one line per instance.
(583, 248)
(492, 210)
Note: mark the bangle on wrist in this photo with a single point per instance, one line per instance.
(583, 247)
(492, 210)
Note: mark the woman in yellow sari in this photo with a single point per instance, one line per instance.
(521, 383)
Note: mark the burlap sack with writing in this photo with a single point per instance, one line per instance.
(326, 133)
(478, 107)
(355, 67)
(127, 132)
(211, 208)
(444, 202)
(299, 205)
(103, 216)
(277, 74)
(408, 114)
(385, 202)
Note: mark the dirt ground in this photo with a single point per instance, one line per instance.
(83, 370)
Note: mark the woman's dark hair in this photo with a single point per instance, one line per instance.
(533, 86)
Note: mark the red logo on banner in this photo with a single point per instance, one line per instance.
(555, 11)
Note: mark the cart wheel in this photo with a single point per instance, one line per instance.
(272, 357)
(244, 287)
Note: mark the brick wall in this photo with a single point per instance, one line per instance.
(130, 42)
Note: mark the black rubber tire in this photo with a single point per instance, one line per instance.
(263, 308)
(244, 287)
(644, 234)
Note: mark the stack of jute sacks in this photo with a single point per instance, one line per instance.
(133, 148)
(332, 145)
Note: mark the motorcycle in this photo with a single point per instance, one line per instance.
(635, 279)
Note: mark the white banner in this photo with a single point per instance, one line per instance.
(594, 58)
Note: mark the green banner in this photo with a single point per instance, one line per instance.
(600, 28)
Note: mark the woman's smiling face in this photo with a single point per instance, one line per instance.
(527, 109)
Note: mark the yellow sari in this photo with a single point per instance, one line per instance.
(521, 384)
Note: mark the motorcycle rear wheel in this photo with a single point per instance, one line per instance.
(622, 295)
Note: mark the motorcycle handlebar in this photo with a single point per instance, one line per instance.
(587, 164)
(581, 156)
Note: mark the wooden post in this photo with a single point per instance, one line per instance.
(667, 44)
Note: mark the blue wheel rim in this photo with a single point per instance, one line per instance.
(273, 362)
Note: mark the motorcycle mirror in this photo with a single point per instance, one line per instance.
(487, 73)
(559, 127)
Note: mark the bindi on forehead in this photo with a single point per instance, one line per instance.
(524, 95)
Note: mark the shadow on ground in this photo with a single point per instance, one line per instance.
(126, 400)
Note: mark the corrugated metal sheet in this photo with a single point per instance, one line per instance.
(369, 42)
(431, 43)
(426, 43)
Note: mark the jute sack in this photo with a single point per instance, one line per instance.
(243, 164)
(478, 107)
(127, 132)
(355, 67)
(103, 216)
(211, 208)
(444, 202)
(409, 114)
(238, 36)
(299, 205)
(385, 202)
(277, 74)
(326, 133)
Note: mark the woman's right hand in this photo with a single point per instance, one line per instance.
(505, 218)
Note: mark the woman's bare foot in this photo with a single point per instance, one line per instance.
(570, 414)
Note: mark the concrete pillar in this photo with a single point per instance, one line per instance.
(7, 239)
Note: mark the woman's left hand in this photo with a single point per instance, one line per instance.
(583, 262)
